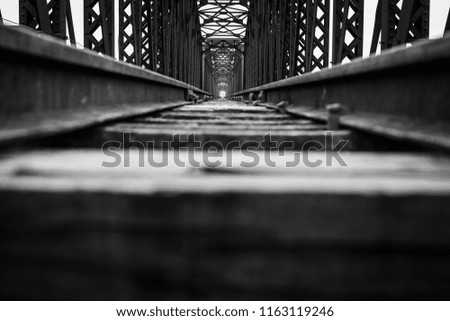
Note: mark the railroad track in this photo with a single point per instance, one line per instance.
(113, 186)
(231, 215)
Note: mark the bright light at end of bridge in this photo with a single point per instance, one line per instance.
(223, 94)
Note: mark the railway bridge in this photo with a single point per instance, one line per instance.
(224, 149)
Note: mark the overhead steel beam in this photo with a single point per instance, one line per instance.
(99, 15)
(447, 25)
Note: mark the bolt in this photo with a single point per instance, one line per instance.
(334, 113)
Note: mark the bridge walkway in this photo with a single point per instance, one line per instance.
(223, 222)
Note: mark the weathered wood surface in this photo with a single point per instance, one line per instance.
(377, 228)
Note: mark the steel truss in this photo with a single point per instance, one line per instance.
(49, 17)
(400, 25)
(99, 26)
(348, 30)
(162, 36)
(286, 38)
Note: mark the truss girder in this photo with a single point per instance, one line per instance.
(398, 24)
(163, 36)
(52, 17)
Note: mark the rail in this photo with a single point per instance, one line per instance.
(48, 87)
